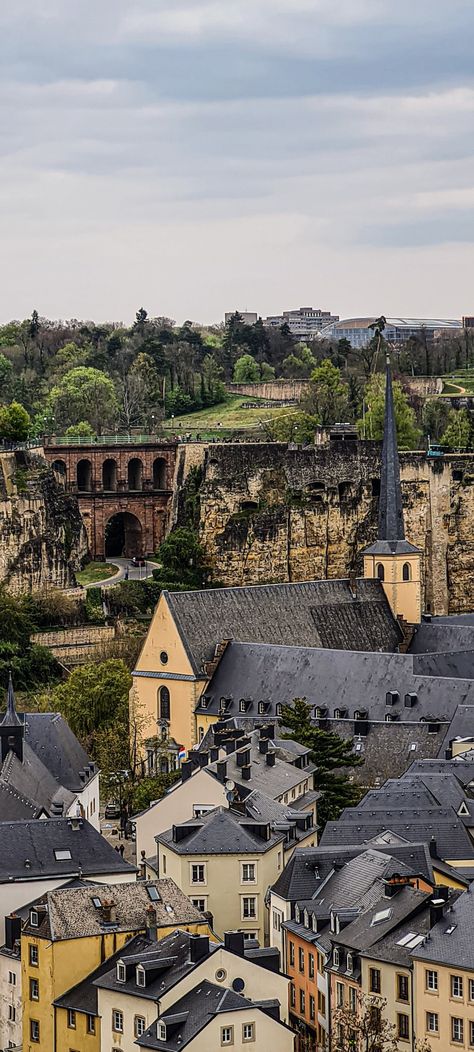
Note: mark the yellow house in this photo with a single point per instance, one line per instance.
(444, 979)
(190, 631)
(225, 862)
(69, 934)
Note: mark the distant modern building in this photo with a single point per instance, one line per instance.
(303, 323)
(248, 317)
(398, 330)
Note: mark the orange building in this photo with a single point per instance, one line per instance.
(305, 965)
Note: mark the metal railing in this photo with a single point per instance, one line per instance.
(105, 440)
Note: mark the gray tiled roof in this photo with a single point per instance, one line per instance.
(195, 1010)
(455, 665)
(34, 843)
(461, 726)
(310, 614)
(450, 940)
(53, 742)
(461, 766)
(334, 679)
(33, 780)
(221, 832)
(364, 932)
(273, 781)
(443, 635)
(442, 824)
(173, 951)
(309, 867)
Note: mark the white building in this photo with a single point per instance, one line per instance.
(304, 323)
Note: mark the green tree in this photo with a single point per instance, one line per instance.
(293, 427)
(15, 422)
(458, 432)
(93, 698)
(372, 424)
(300, 363)
(85, 394)
(212, 374)
(182, 559)
(328, 396)
(435, 417)
(6, 375)
(149, 789)
(83, 428)
(267, 371)
(331, 754)
(246, 370)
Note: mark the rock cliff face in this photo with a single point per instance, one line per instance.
(270, 513)
(42, 536)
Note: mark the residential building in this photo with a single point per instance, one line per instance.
(148, 978)
(190, 631)
(37, 857)
(207, 1019)
(444, 978)
(10, 985)
(288, 780)
(69, 933)
(304, 323)
(225, 862)
(44, 770)
(359, 333)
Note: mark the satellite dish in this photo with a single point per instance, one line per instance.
(238, 985)
(230, 784)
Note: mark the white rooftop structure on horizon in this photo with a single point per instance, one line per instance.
(397, 330)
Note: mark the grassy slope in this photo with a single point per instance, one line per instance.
(228, 414)
(96, 572)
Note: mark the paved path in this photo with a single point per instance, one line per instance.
(135, 573)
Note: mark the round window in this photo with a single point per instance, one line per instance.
(164, 657)
(221, 974)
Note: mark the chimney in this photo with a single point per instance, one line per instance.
(198, 947)
(109, 912)
(353, 583)
(263, 746)
(268, 731)
(270, 758)
(203, 759)
(242, 758)
(246, 772)
(234, 941)
(75, 823)
(151, 924)
(186, 770)
(392, 888)
(12, 930)
(222, 770)
(194, 759)
(213, 754)
(229, 746)
(433, 847)
(436, 911)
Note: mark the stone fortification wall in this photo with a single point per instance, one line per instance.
(42, 536)
(271, 513)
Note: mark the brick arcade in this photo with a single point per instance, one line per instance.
(124, 489)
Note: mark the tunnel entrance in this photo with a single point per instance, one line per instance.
(123, 536)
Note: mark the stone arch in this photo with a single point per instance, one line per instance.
(84, 475)
(159, 473)
(135, 473)
(60, 470)
(109, 474)
(123, 535)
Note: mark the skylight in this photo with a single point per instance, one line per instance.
(96, 902)
(406, 939)
(63, 856)
(153, 893)
(381, 916)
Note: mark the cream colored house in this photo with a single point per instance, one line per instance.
(225, 862)
(148, 978)
(10, 985)
(202, 788)
(444, 979)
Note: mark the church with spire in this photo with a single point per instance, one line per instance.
(392, 559)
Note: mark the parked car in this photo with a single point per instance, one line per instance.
(138, 560)
(112, 810)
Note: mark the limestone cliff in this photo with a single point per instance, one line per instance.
(42, 536)
(268, 512)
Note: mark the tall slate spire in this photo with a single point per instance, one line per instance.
(391, 526)
(12, 729)
(11, 717)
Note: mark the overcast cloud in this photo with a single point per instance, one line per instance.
(194, 157)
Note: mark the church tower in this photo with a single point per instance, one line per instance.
(12, 729)
(392, 559)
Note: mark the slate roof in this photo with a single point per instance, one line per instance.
(364, 932)
(71, 912)
(346, 680)
(53, 742)
(33, 781)
(418, 790)
(221, 832)
(309, 867)
(27, 850)
(195, 1011)
(442, 824)
(450, 940)
(443, 635)
(273, 781)
(461, 766)
(173, 954)
(461, 726)
(310, 614)
(457, 664)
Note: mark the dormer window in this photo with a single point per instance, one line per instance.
(261, 708)
(337, 714)
(278, 710)
(242, 705)
(314, 923)
(306, 919)
(121, 972)
(336, 957)
(34, 919)
(318, 713)
(161, 1031)
(140, 975)
(297, 914)
(350, 962)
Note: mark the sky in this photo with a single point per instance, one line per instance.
(199, 156)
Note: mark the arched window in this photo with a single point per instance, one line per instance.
(135, 471)
(165, 703)
(159, 473)
(84, 476)
(380, 571)
(109, 474)
(406, 572)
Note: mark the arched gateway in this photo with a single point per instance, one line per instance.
(124, 489)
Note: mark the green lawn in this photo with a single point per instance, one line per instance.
(458, 383)
(229, 415)
(95, 572)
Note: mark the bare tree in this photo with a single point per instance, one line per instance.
(367, 1029)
